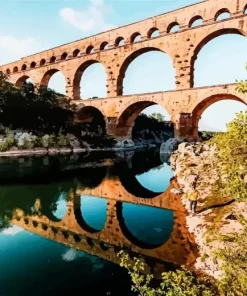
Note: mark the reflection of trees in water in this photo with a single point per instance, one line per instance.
(48, 182)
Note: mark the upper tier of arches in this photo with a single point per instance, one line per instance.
(161, 28)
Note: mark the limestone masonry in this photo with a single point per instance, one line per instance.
(117, 48)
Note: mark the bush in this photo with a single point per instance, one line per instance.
(7, 143)
(181, 282)
(232, 147)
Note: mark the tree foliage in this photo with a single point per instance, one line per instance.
(181, 282)
(33, 108)
(232, 158)
(234, 281)
(151, 125)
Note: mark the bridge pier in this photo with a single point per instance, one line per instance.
(186, 127)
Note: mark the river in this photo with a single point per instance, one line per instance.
(64, 219)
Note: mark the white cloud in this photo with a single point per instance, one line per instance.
(13, 48)
(90, 19)
(13, 230)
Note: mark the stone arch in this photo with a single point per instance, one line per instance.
(152, 31)
(32, 65)
(126, 64)
(92, 115)
(21, 80)
(128, 180)
(15, 70)
(173, 27)
(104, 45)
(64, 56)
(194, 20)
(42, 62)
(90, 49)
(207, 102)
(206, 40)
(128, 114)
(76, 52)
(134, 36)
(24, 67)
(119, 40)
(220, 12)
(135, 239)
(7, 71)
(47, 76)
(245, 9)
(78, 75)
(91, 212)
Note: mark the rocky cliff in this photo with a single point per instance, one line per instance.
(216, 215)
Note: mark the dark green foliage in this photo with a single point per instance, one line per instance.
(151, 125)
(33, 109)
(232, 156)
(180, 282)
(206, 135)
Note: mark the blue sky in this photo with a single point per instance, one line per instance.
(29, 26)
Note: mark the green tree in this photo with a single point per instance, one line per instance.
(158, 116)
(232, 156)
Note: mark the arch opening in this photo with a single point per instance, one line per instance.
(64, 56)
(91, 119)
(145, 120)
(60, 206)
(213, 57)
(146, 227)
(32, 65)
(208, 115)
(24, 67)
(91, 212)
(136, 37)
(156, 179)
(153, 32)
(196, 21)
(146, 70)
(120, 41)
(76, 53)
(88, 75)
(23, 79)
(173, 27)
(90, 49)
(245, 9)
(52, 59)
(222, 14)
(54, 79)
(7, 71)
(42, 62)
(104, 45)
(15, 70)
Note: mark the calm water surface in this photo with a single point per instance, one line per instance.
(63, 220)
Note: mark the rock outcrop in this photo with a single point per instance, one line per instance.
(196, 163)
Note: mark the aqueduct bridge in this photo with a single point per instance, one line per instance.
(117, 48)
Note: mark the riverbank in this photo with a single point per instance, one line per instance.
(16, 143)
(217, 216)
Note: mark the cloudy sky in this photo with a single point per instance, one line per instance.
(29, 26)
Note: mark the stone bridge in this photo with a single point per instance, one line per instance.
(116, 49)
(179, 248)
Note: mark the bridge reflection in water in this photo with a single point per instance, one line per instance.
(117, 213)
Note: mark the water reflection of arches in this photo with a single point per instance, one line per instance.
(117, 234)
(146, 227)
(157, 179)
(130, 183)
(90, 212)
(141, 162)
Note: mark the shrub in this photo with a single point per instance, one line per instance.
(7, 143)
(181, 282)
